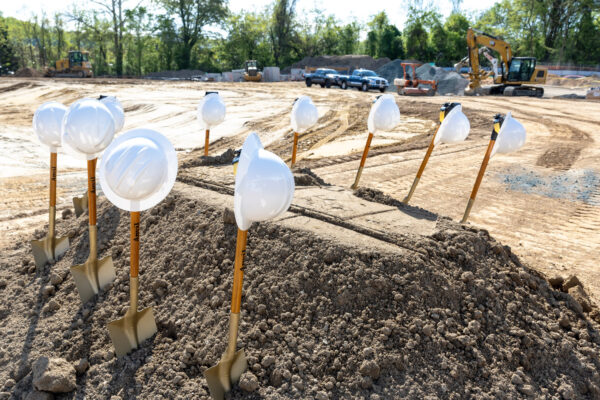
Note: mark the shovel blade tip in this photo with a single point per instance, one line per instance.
(128, 332)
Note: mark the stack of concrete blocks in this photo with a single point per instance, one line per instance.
(271, 74)
(238, 75)
(227, 76)
(217, 77)
(297, 74)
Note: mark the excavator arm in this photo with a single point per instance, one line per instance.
(474, 40)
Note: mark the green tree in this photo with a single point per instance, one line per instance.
(8, 58)
(247, 39)
(139, 23)
(383, 38)
(281, 31)
(417, 41)
(193, 16)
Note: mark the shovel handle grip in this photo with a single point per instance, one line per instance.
(206, 142)
(134, 251)
(238, 273)
(294, 148)
(52, 179)
(91, 166)
(366, 150)
(484, 164)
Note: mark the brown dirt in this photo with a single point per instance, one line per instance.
(457, 315)
(28, 73)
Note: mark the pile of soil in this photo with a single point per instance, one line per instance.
(448, 82)
(349, 61)
(454, 315)
(305, 177)
(224, 158)
(28, 73)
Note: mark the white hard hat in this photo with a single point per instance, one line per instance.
(87, 128)
(116, 109)
(384, 115)
(211, 110)
(511, 136)
(454, 128)
(264, 185)
(138, 169)
(47, 122)
(304, 114)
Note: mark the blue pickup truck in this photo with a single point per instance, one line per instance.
(362, 79)
(322, 76)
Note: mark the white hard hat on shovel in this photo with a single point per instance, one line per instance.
(138, 169)
(88, 127)
(211, 110)
(304, 114)
(47, 124)
(511, 137)
(116, 109)
(454, 128)
(264, 185)
(384, 115)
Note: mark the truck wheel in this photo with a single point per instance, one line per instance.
(382, 90)
(308, 82)
(81, 74)
(322, 84)
(344, 85)
(364, 87)
(328, 84)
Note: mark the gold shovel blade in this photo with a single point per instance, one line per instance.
(92, 276)
(80, 203)
(128, 332)
(226, 373)
(43, 251)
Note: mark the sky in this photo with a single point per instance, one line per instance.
(344, 10)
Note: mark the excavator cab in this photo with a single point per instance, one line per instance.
(521, 69)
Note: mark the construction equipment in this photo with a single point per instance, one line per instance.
(454, 127)
(515, 75)
(411, 85)
(508, 135)
(77, 65)
(384, 116)
(251, 72)
(47, 122)
(264, 188)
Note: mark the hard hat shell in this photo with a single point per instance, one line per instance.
(138, 169)
(511, 137)
(47, 123)
(304, 114)
(116, 109)
(211, 110)
(454, 128)
(87, 128)
(384, 115)
(264, 185)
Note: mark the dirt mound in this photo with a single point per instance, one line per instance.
(305, 177)
(448, 82)
(222, 159)
(456, 316)
(349, 61)
(28, 73)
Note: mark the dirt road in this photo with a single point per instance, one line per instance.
(543, 201)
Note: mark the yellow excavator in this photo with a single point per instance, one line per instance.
(251, 72)
(511, 77)
(77, 65)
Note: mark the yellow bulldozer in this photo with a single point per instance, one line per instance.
(251, 72)
(76, 65)
(511, 77)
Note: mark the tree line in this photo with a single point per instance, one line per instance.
(124, 38)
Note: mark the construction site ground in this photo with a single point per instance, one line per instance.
(543, 201)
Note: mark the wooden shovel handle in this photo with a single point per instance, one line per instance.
(91, 166)
(238, 272)
(484, 164)
(427, 154)
(206, 142)
(134, 252)
(294, 149)
(52, 179)
(366, 150)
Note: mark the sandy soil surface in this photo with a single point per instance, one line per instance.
(543, 202)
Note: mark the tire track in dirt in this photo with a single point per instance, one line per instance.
(564, 146)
